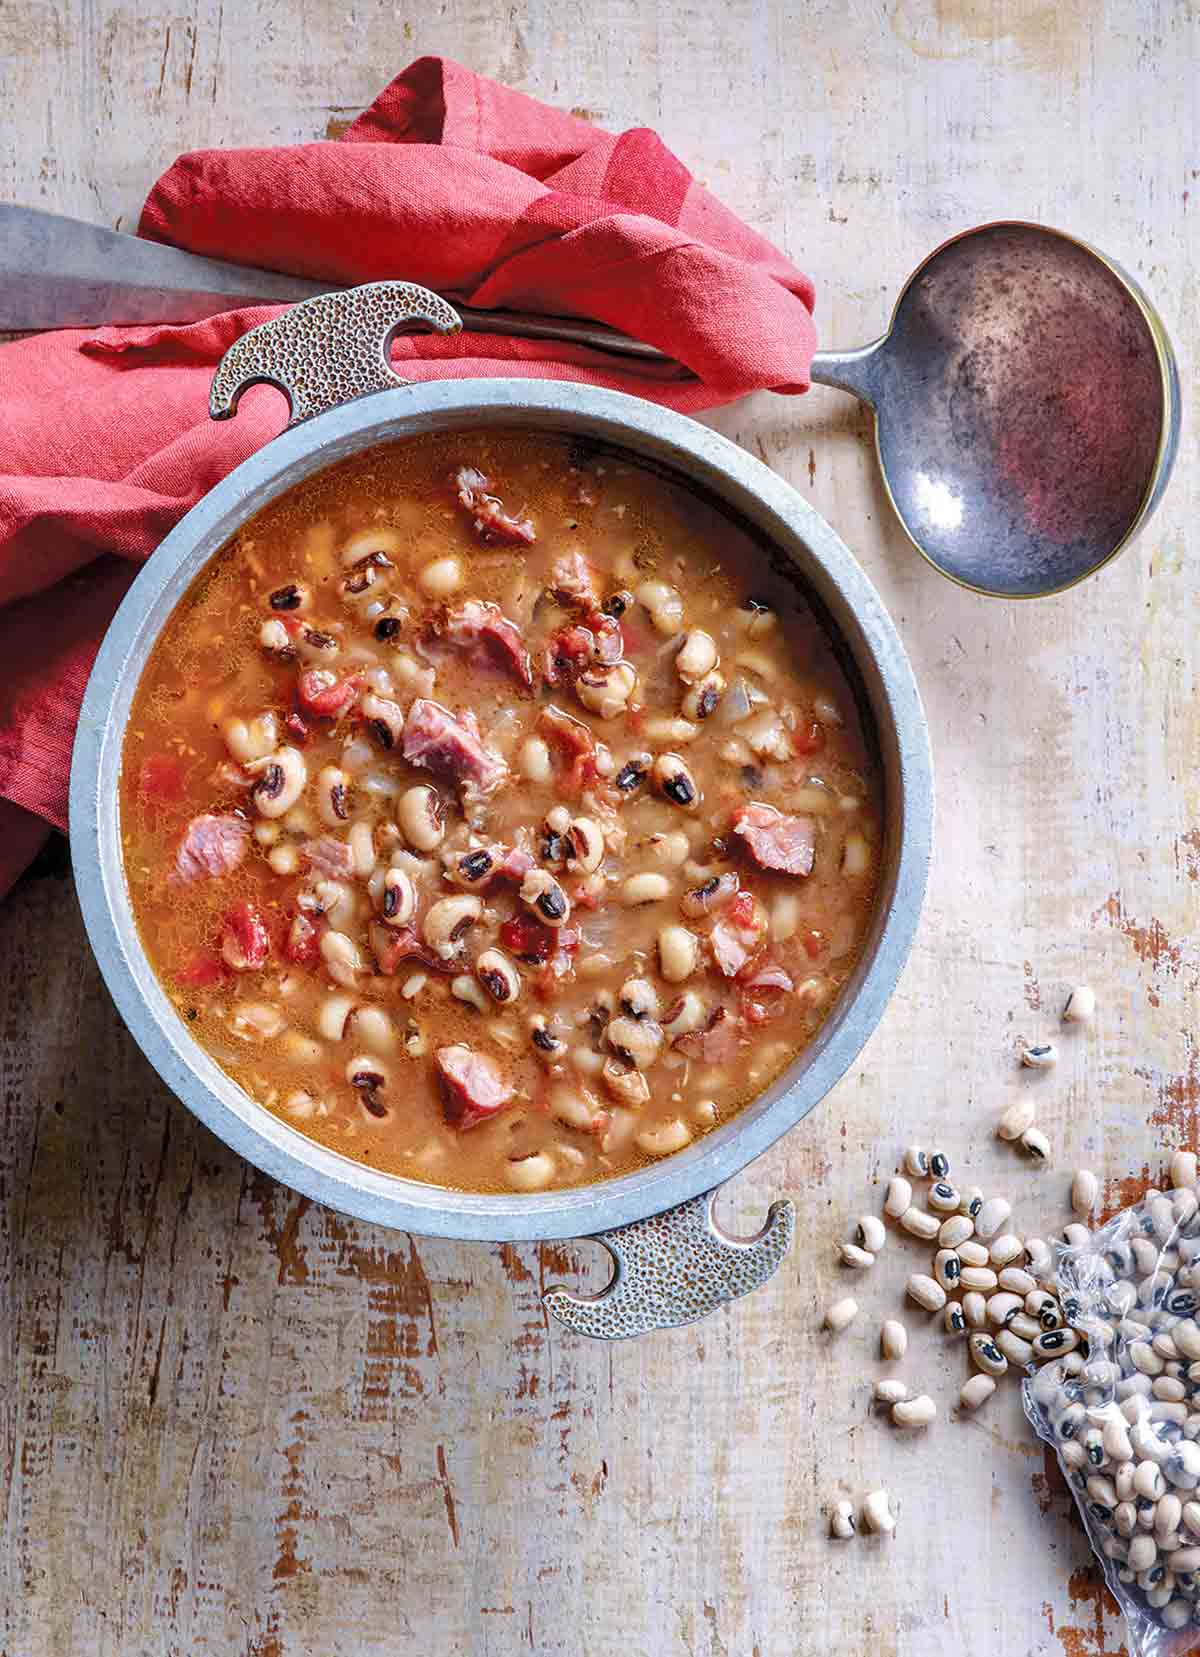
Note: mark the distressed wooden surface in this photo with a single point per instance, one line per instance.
(235, 1423)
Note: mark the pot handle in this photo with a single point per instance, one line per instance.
(329, 349)
(673, 1268)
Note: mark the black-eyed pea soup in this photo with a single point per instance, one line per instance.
(495, 815)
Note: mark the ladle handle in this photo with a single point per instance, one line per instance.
(857, 372)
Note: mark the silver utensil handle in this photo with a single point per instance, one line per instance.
(674, 1268)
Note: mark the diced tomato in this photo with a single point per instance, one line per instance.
(322, 693)
(160, 781)
(754, 1012)
(527, 939)
(245, 941)
(634, 638)
(303, 942)
(814, 943)
(297, 729)
(202, 972)
(808, 739)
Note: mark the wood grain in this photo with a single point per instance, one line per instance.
(235, 1423)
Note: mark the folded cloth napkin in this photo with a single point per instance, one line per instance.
(448, 180)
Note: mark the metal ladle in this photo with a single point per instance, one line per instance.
(1025, 394)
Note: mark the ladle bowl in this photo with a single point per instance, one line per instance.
(1027, 408)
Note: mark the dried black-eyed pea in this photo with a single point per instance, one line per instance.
(1016, 1118)
(914, 1412)
(841, 1314)
(1002, 1306)
(1054, 1342)
(1085, 1191)
(1005, 1249)
(920, 1224)
(939, 1164)
(870, 1233)
(1035, 1144)
(898, 1199)
(1077, 1235)
(981, 1278)
(498, 975)
(1081, 1006)
(974, 1309)
(916, 1162)
(889, 1390)
(986, 1355)
(893, 1339)
(841, 1520)
(1022, 1324)
(972, 1253)
(859, 1259)
(1183, 1169)
(943, 1198)
(947, 1268)
(1016, 1350)
(957, 1229)
(990, 1216)
(877, 1513)
(1042, 1057)
(976, 1391)
(1017, 1280)
(970, 1202)
(954, 1319)
(926, 1292)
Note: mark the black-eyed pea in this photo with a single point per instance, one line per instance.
(1016, 1118)
(916, 1162)
(957, 1229)
(337, 902)
(974, 1307)
(398, 897)
(954, 1320)
(448, 921)
(498, 975)
(705, 1113)
(678, 953)
(333, 795)
(302, 1106)
(701, 700)
(664, 604)
(973, 1253)
(1085, 1192)
(870, 1234)
(920, 1224)
(420, 816)
(1018, 1281)
(840, 1315)
(943, 1197)
(280, 780)
(981, 1278)
(914, 1412)
(332, 1015)
(605, 691)
(342, 958)
(685, 1016)
(1016, 1350)
(925, 1292)
(624, 1081)
(361, 839)
(275, 640)
(467, 989)
(976, 1391)
(675, 782)
(898, 1197)
(1022, 1324)
(369, 1079)
(1005, 1249)
(858, 1259)
(696, 656)
(856, 855)
(636, 1040)
(947, 1267)
(257, 1020)
(841, 1520)
(292, 598)
(542, 894)
(533, 760)
(574, 1107)
(441, 577)
(529, 1173)
(663, 1138)
(385, 720)
(986, 1355)
(647, 887)
(371, 1026)
(283, 860)
(252, 739)
(877, 1513)
(299, 1049)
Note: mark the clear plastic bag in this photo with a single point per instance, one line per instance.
(1123, 1415)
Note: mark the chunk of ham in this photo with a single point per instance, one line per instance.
(487, 636)
(575, 742)
(717, 1043)
(736, 936)
(595, 640)
(330, 857)
(393, 945)
(472, 1085)
(450, 744)
(213, 845)
(774, 841)
(493, 525)
(573, 581)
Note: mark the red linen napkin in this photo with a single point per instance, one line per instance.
(448, 180)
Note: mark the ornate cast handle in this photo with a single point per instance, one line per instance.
(327, 350)
(674, 1268)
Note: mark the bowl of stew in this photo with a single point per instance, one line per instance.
(501, 808)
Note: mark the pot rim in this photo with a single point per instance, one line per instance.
(643, 429)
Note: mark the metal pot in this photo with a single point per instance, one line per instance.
(673, 1263)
